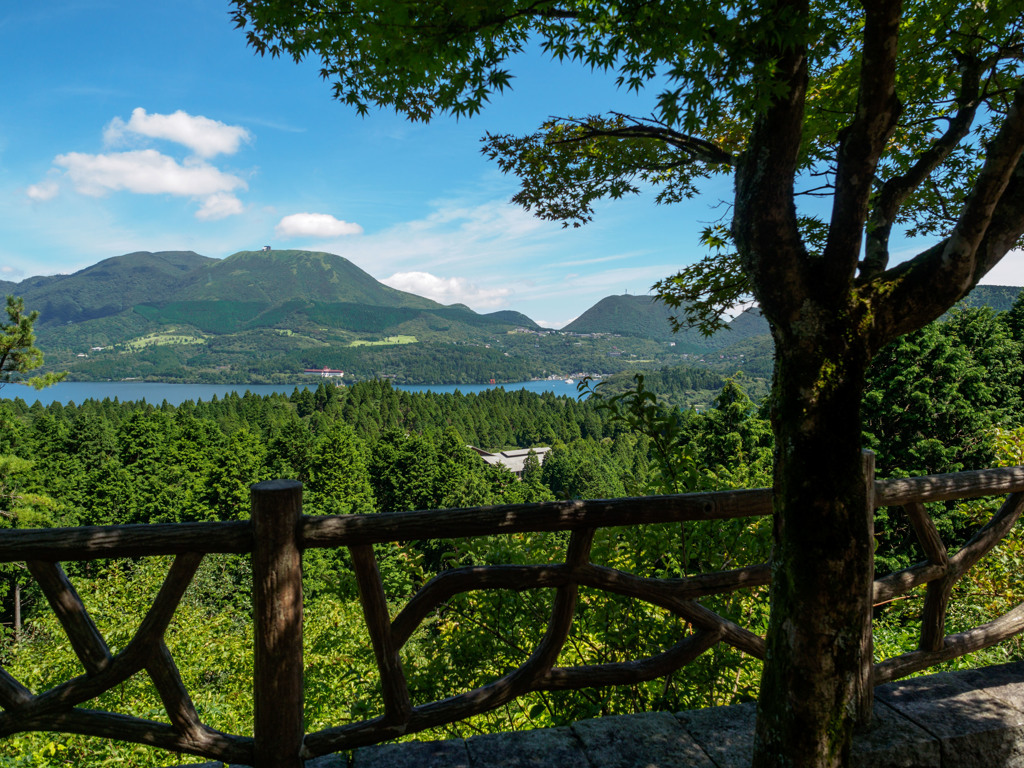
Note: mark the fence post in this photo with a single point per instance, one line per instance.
(866, 683)
(277, 607)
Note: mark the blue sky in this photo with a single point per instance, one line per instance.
(151, 126)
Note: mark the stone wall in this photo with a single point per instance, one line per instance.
(949, 720)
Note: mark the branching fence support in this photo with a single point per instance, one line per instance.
(866, 682)
(277, 535)
(277, 603)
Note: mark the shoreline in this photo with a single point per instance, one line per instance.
(176, 393)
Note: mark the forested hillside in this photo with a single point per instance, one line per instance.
(264, 316)
(258, 316)
(946, 398)
(648, 318)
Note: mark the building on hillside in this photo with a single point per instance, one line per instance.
(513, 460)
(327, 373)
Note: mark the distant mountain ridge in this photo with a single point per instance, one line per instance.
(626, 314)
(997, 297)
(646, 317)
(265, 316)
(244, 287)
(267, 278)
(254, 314)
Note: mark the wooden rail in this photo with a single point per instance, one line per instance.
(278, 533)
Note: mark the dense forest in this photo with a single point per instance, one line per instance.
(946, 398)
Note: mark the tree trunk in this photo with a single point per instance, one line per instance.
(822, 559)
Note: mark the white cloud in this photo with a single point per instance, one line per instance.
(502, 256)
(636, 280)
(447, 290)
(1009, 271)
(146, 172)
(584, 262)
(454, 237)
(205, 137)
(554, 323)
(219, 206)
(149, 172)
(318, 225)
(44, 190)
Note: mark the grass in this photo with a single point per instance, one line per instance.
(161, 339)
(383, 342)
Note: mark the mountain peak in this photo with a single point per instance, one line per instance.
(278, 276)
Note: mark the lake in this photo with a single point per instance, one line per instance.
(175, 394)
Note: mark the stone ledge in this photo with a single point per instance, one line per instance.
(946, 720)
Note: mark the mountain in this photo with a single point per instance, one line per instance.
(254, 315)
(508, 316)
(999, 297)
(627, 315)
(108, 288)
(275, 277)
(644, 317)
(248, 289)
(265, 316)
(745, 345)
(750, 322)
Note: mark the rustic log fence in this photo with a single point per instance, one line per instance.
(278, 532)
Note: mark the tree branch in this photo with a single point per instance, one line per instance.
(896, 190)
(990, 224)
(863, 141)
(765, 226)
(533, 10)
(696, 148)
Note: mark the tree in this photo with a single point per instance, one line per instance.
(901, 115)
(934, 397)
(339, 482)
(933, 401)
(18, 353)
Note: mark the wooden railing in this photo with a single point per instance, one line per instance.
(278, 533)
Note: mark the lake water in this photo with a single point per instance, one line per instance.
(175, 394)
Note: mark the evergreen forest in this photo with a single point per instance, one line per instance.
(946, 398)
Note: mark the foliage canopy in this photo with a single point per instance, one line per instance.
(713, 70)
(901, 115)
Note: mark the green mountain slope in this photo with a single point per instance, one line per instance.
(110, 287)
(267, 315)
(746, 345)
(627, 315)
(256, 316)
(999, 297)
(507, 316)
(274, 277)
(750, 322)
(646, 318)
